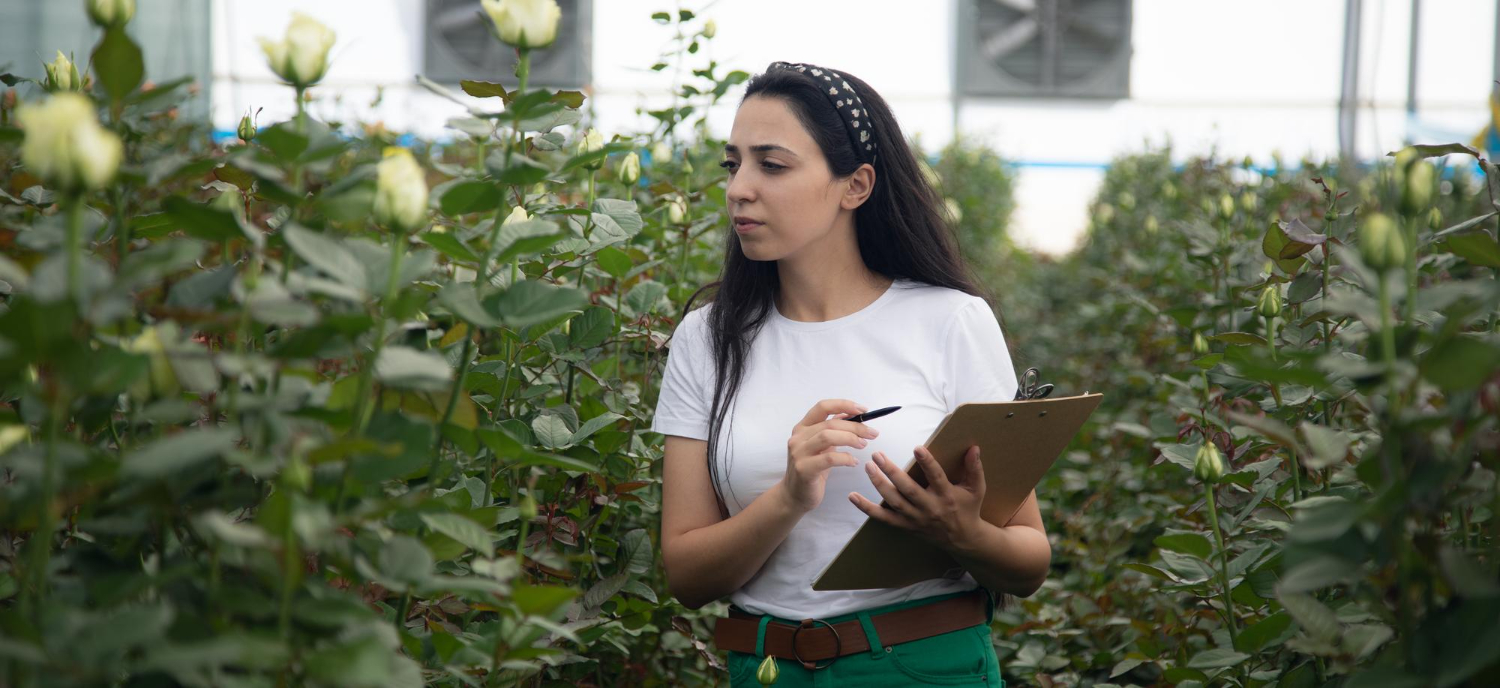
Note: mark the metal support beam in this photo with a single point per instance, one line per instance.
(1411, 58)
(1496, 73)
(1349, 94)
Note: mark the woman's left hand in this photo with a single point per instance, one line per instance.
(945, 513)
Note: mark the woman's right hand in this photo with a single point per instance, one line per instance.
(810, 451)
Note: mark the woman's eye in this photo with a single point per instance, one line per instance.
(772, 166)
(729, 165)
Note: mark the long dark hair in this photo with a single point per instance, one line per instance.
(900, 229)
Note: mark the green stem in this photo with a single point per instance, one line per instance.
(1387, 332)
(35, 596)
(75, 250)
(288, 575)
(364, 404)
(1213, 521)
(1271, 340)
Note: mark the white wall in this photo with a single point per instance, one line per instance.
(1244, 78)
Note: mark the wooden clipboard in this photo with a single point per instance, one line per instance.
(1018, 442)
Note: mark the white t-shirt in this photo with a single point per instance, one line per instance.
(924, 348)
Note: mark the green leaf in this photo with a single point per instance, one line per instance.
(1326, 446)
(470, 197)
(1258, 634)
(1317, 621)
(1187, 567)
(1304, 287)
(118, 62)
(202, 221)
(1316, 573)
(1462, 362)
(326, 254)
(484, 89)
(1426, 150)
(1323, 520)
(1269, 428)
(1479, 248)
(606, 588)
(1464, 227)
(461, 299)
(283, 141)
(1216, 659)
(613, 261)
(1186, 543)
(408, 368)
(450, 246)
(1274, 243)
(551, 430)
(1124, 666)
(405, 559)
(541, 600)
(593, 425)
(471, 534)
(177, 452)
(363, 662)
(596, 324)
(523, 171)
(506, 447)
(1239, 338)
(571, 99)
(1359, 640)
(529, 302)
(645, 296)
(520, 238)
(635, 552)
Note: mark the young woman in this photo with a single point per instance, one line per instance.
(842, 291)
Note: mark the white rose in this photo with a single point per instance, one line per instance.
(62, 75)
(517, 214)
(110, 12)
(301, 57)
(630, 168)
(65, 145)
(660, 153)
(676, 209)
(590, 141)
(400, 191)
(524, 23)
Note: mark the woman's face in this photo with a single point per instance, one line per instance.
(779, 178)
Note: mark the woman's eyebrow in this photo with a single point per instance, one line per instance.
(760, 148)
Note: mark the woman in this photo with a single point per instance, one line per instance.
(842, 291)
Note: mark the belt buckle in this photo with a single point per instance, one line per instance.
(838, 644)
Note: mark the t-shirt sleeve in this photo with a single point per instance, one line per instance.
(976, 364)
(682, 407)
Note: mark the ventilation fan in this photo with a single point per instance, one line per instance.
(1046, 48)
(460, 45)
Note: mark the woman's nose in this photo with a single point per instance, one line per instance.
(739, 190)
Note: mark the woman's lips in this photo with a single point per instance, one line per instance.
(743, 227)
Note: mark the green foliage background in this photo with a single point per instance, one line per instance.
(262, 441)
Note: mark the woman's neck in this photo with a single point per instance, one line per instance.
(829, 295)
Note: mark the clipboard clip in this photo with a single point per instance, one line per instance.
(1029, 389)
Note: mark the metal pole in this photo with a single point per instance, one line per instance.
(1496, 72)
(1349, 94)
(1411, 58)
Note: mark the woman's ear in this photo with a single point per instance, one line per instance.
(861, 185)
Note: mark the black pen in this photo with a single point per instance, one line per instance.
(870, 415)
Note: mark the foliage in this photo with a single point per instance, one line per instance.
(250, 437)
(1346, 558)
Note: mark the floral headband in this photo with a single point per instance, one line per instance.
(848, 104)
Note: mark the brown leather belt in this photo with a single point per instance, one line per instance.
(815, 640)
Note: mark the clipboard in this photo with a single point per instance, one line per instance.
(1018, 441)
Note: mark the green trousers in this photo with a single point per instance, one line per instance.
(965, 657)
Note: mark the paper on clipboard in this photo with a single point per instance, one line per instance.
(1018, 441)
